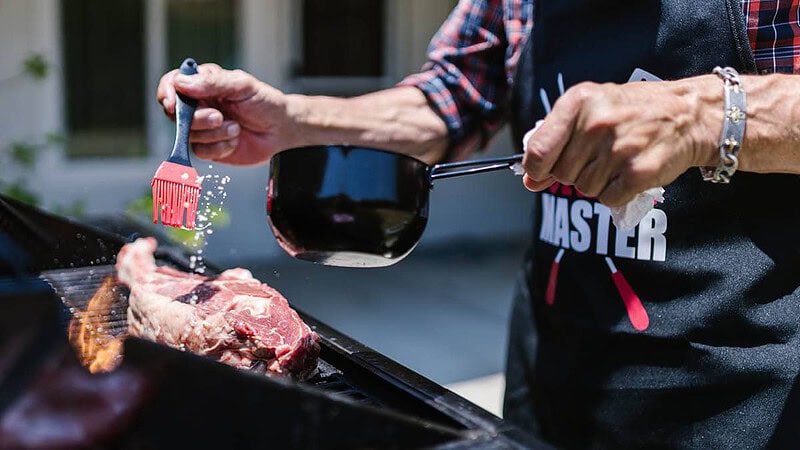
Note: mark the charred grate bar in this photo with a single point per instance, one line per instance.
(331, 380)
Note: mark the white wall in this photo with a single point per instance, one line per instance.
(483, 205)
(31, 109)
(27, 107)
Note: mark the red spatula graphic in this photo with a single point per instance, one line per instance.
(636, 312)
(176, 185)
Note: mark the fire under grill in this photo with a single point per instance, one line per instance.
(97, 326)
(58, 286)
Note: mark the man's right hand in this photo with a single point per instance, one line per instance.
(239, 120)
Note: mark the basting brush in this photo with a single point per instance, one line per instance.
(176, 185)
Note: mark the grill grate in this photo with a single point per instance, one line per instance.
(77, 286)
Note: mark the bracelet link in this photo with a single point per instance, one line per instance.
(733, 127)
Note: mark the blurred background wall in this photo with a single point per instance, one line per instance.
(80, 128)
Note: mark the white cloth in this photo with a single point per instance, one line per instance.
(626, 217)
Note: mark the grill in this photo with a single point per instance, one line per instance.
(51, 266)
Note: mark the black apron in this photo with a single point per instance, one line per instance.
(684, 331)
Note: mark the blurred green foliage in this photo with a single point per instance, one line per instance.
(55, 138)
(76, 209)
(17, 165)
(36, 66)
(18, 158)
(23, 153)
(18, 191)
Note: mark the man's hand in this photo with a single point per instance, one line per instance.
(242, 121)
(239, 120)
(614, 141)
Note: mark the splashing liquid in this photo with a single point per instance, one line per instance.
(211, 202)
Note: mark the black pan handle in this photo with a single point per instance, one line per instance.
(476, 166)
(184, 112)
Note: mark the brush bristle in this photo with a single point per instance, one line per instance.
(176, 191)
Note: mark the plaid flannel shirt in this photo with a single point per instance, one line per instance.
(472, 58)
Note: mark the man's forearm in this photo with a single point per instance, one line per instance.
(773, 124)
(772, 138)
(397, 119)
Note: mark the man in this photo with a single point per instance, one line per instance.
(681, 332)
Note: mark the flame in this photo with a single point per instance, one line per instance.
(97, 348)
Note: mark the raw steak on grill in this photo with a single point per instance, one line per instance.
(233, 318)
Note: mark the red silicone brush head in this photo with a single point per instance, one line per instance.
(176, 190)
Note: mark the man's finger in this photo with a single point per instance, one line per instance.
(207, 119)
(216, 151)
(618, 192)
(592, 179)
(585, 147)
(165, 94)
(212, 81)
(537, 186)
(225, 132)
(546, 145)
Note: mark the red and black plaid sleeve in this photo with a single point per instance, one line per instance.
(773, 27)
(466, 78)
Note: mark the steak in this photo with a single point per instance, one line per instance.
(233, 317)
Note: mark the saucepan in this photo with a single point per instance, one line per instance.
(349, 206)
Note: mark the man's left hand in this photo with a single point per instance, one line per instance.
(614, 141)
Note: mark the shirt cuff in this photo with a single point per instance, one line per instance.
(462, 141)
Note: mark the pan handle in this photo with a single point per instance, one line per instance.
(476, 166)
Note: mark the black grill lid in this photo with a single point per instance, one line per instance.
(53, 242)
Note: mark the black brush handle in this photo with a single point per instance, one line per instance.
(184, 112)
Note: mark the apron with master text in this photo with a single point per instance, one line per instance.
(683, 332)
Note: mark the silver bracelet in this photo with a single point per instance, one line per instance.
(733, 126)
